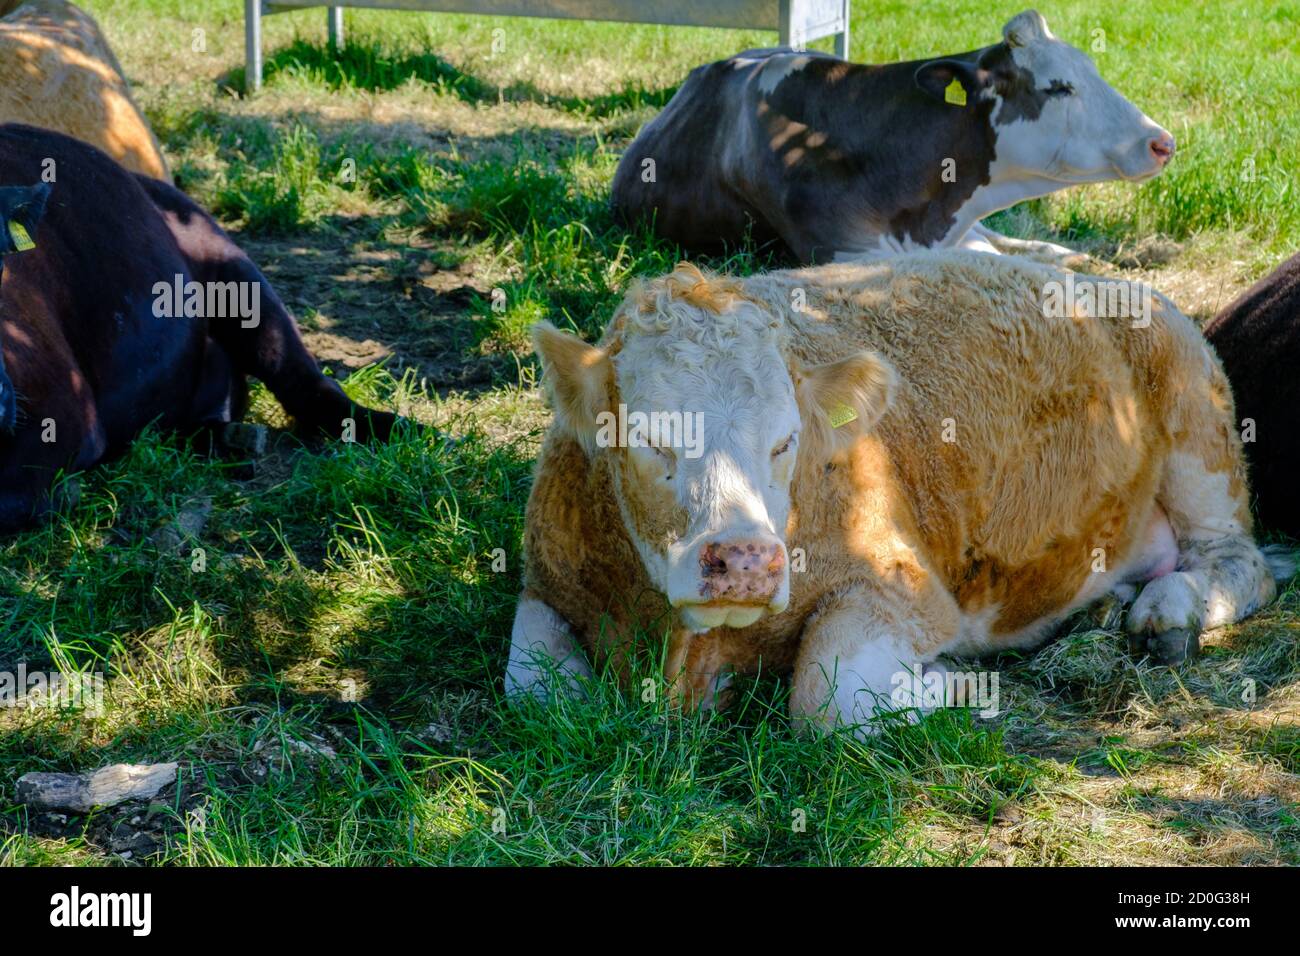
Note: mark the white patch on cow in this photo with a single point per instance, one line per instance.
(1203, 498)
(974, 632)
(777, 68)
(1004, 190)
(543, 655)
(1157, 553)
(974, 242)
(864, 682)
(886, 246)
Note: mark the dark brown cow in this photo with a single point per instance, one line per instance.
(107, 286)
(843, 161)
(1258, 339)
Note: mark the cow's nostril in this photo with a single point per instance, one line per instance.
(712, 563)
(1162, 147)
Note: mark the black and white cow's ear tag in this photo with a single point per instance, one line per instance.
(954, 93)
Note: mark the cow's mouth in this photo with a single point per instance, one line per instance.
(705, 617)
(729, 580)
(1142, 177)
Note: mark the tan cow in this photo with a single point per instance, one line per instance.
(58, 72)
(843, 472)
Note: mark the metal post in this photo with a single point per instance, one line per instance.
(336, 28)
(785, 22)
(842, 38)
(252, 46)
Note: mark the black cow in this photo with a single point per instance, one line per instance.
(122, 303)
(1258, 339)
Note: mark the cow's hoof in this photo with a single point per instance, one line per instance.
(1169, 648)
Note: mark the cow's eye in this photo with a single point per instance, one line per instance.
(666, 458)
(1060, 88)
(784, 447)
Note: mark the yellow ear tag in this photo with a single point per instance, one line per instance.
(22, 241)
(841, 415)
(955, 93)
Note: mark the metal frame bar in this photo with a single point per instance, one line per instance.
(335, 15)
(829, 18)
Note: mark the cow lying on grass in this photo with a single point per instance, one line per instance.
(875, 464)
(846, 161)
(57, 71)
(108, 283)
(1258, 341)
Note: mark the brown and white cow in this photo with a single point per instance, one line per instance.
(849, 161)
(889, 461)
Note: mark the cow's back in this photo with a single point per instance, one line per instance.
(58, 72)
(673, 173)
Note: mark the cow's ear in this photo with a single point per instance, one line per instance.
(938, 76)
(21, 210)
(840, 401)
(577, 377)
(1026, 28)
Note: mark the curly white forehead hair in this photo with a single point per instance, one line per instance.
(694, 317)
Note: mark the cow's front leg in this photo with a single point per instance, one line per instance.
(544, 658)
(860, 657)
(1221, 575)
(697, 671)
(989, 240)
(975, 241)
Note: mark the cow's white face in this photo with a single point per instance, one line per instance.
(703, 423)
(1057, 118)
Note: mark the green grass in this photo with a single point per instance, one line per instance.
(348, 599)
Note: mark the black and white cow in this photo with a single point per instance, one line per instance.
(846, 161)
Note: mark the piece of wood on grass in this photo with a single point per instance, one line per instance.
(105, 787)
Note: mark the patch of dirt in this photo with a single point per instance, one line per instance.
(358, 302)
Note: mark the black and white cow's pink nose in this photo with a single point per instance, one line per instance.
(1162, 147)
(741, 571)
